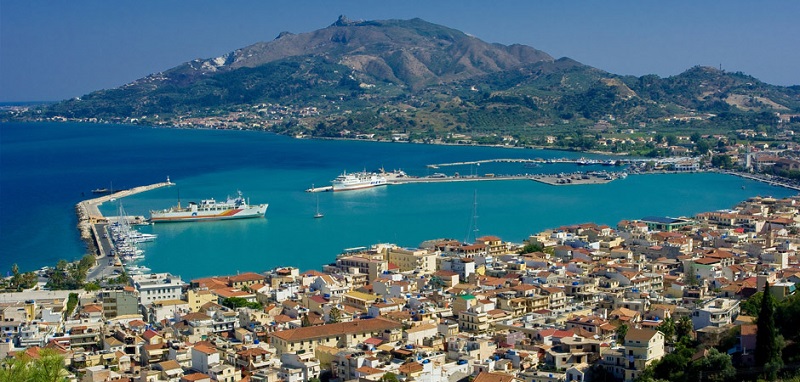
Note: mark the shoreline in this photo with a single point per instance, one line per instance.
(530, 147)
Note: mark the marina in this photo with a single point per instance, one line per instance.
(111, 238)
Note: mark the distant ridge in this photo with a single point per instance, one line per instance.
(384, 77)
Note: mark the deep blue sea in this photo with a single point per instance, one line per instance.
(45, 169)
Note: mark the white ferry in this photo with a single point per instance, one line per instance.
(358, 180)
(210, 209)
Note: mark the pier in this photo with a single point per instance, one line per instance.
(92, 225)
(576, 178)
(407, 180)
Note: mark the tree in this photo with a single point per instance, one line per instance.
(49, 367)
(691, 276)
(684, 328)
(671, 367)
(702, 147)
(334, 316)
(695, 137)
(16, 277)
(751, 306)
(531, 247)
(389, 377)
(621, 332)
(92, 287)
(722, 161)
(239, 302)
(668, 328)
(715, 366)
(767, 351)
(672, 140)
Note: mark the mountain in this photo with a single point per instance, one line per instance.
(414, 77)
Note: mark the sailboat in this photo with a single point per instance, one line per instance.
(318, 214)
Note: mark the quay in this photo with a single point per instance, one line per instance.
(92, 226)
(550, 179)
(576, 179)
(406, 180)
(764, 179)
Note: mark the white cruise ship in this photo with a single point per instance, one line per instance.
(357, 180)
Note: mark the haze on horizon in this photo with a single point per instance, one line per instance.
(58, 50)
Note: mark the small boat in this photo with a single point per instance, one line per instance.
(100, 191)
(318, 214)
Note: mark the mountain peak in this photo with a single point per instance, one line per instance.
(343, 21)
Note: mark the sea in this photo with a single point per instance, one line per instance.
(46, 168)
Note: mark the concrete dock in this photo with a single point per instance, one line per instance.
(574, 179)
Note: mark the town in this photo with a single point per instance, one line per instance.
(584, 302)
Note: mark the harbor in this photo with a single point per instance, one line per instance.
(93, 227)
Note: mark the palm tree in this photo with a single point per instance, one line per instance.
(16, 277)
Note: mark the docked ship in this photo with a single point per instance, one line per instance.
(357, 180)
(210, 209)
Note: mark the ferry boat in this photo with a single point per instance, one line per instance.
(210, 209)
(358, 180)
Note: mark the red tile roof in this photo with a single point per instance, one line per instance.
(341, 328)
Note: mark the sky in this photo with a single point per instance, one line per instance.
(54, 50)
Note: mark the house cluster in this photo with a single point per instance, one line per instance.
(445, 311)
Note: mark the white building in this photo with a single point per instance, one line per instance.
(717, 312)
(158, 287)
(298, 367)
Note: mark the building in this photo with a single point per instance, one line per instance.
(641, 348)
(370, 264)
(334, 335)
(119, 302)
(658, 223)
(299, 367)
(717, 312)
(413, 259)
(157, 287)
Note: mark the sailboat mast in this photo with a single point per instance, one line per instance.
(473, 228)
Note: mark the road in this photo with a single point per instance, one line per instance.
(103, 268)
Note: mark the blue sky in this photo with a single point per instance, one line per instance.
(52, 50)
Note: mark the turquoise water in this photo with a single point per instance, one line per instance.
(46, 168)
